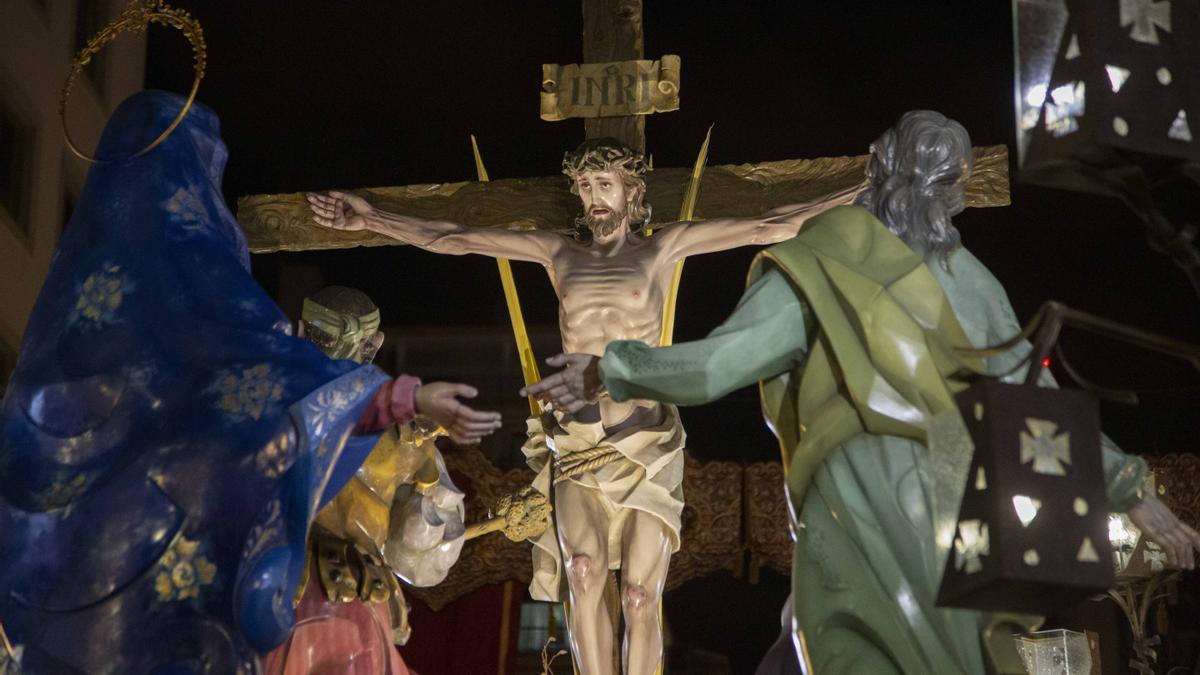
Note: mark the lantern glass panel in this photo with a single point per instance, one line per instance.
(1055, 652)
(1038, 27)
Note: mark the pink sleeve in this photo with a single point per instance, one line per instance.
(394, 403)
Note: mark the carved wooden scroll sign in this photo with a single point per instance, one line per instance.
(610, 89)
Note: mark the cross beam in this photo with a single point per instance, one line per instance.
(283, 222)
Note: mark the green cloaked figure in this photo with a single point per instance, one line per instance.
(852, 336)
(852, 328)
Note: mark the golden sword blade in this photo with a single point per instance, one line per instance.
(529, 367)
(686, 212)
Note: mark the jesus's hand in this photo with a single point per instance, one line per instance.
(339, 211)
(573, 387)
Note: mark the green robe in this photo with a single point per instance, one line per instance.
(853, 337)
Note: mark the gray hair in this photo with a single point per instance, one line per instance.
(916, 181)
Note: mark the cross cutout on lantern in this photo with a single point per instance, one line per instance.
(1145, 15)
(1047, 451)
(970, 544)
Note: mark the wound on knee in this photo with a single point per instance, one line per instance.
(580, 566)
(636, 597)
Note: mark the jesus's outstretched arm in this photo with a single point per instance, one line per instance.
(680, 240)
(342, 211)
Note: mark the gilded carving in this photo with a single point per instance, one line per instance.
(710, 539)
(767, 534)
(1178, 477)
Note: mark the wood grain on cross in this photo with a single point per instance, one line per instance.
(283, 222)
(612, 31)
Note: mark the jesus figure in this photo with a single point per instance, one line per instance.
(617, 470)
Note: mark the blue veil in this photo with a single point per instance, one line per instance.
(165, 440)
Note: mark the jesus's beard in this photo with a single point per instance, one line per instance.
(602, 226)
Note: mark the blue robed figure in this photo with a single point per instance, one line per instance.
(166, 441)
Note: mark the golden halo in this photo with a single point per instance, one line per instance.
(136, 18)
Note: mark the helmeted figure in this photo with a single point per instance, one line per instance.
(399, 517)
(166, 440)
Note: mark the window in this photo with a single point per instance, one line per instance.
(16, 166)
(90, 17)
(541, 621)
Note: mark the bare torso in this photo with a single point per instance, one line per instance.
(606, 293)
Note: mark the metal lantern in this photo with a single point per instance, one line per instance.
(1032, 528)
(1057, 652)
(1107, 98)
(1094, 77)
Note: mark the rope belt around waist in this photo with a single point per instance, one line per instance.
(579, 462)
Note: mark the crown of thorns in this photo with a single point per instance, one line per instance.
(604, 154)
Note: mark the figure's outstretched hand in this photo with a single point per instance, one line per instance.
(573, 387)
(439, 402)
(339, 211)
(1164, 528)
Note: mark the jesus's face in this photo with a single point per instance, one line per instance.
(604, 201)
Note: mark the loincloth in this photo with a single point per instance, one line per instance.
(645, 473)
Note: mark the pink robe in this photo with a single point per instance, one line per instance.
(349, 638)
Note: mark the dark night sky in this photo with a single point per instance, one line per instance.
(319, 95)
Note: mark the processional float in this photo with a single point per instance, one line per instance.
(592, 91)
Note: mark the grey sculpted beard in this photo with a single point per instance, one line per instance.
(602, 226)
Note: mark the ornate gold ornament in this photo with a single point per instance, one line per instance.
(136, 18)
(522, 515)
(182, 571)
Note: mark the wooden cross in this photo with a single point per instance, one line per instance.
(612, 31)
(283, 222)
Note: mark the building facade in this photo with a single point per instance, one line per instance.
(39, 177)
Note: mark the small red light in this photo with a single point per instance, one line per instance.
(1046, 362)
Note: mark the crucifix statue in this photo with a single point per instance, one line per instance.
(618, 467)
(613, 470)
